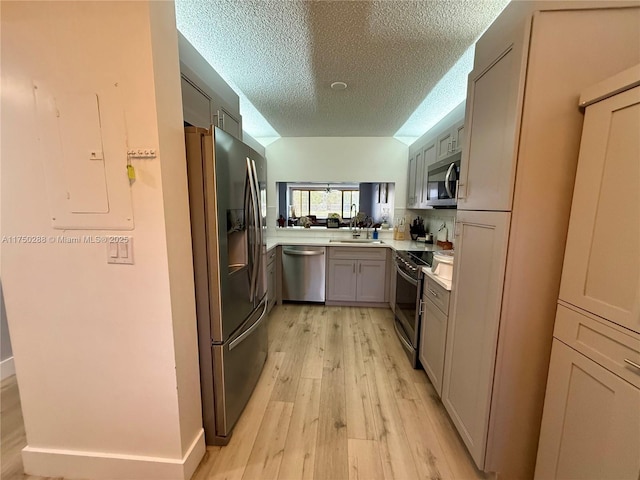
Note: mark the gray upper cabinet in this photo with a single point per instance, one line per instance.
(415, 180)
(428, 158)
(228, 122)
(445, 142)
(441, 141)
(487, 175)
(195, 105)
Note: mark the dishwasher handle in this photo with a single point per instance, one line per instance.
(303, 252)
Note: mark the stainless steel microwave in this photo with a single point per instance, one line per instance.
(442, 182)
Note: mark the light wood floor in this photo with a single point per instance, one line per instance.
(337, 400)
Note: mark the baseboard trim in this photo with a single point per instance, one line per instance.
(48, 462)
(7, 368)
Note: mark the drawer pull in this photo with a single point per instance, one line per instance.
(432, 292)
(633, 364)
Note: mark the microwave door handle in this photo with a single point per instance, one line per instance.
(446, 180)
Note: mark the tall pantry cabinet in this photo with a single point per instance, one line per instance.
(591, 422)
(522, 137)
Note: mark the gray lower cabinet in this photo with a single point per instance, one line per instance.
(591, 424)
(433, 332)
(357, 275)
(271, 279)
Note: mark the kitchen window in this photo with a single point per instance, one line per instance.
(320, 202)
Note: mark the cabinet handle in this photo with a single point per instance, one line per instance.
(459, 191)
(633, 364)
(453, 145)
(432, 293)
(420, 310)
(354, 268)
(449, 147)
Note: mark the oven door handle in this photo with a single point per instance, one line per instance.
(409, 279)
(406, 344)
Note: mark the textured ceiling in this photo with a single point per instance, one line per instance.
(284, 54)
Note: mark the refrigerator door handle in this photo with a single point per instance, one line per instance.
(247, 212)
(234, 343)
(259, 212)
(256, 223)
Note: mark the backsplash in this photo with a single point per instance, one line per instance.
(433, 220)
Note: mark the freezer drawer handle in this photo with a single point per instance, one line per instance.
(303, 252)
(250, 330)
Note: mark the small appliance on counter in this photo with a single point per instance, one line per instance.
(442, 265)
(417, 229)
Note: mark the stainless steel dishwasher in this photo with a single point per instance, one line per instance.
(303, 271)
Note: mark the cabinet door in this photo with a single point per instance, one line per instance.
(458, 137)
(429, 158)
(433, 336)
(411, 182)
(341, 280)
(591, 421)
(601, 271)
(472, 329)
(195, 105)
(444, 144)
(371, 280)
(493, 111)
(271, 284)
(420, 167)
(228, 122)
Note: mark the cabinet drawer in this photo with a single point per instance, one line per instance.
(608, 345)
(271, 256)
(355, 253)
(438, 295)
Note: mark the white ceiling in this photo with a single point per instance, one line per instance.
(282, 55)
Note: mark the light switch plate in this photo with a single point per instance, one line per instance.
(120, 250)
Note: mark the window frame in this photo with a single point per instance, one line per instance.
(307, 189)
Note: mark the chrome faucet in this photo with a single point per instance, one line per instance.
(353, 214)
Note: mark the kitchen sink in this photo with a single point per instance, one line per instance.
(355, 240)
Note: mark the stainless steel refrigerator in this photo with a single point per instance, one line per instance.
(227, 197)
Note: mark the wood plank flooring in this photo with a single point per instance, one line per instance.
(344, 404)
(337, 400)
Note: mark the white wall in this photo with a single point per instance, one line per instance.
(106, 355)
(339, 159)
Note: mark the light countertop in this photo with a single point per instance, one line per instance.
(326, 241)
(322, 238)
(443, 282)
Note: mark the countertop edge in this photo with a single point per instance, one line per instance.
(446, 284)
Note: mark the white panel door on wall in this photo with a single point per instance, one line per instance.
(474, 318)
(487, 172)
(601, 271)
